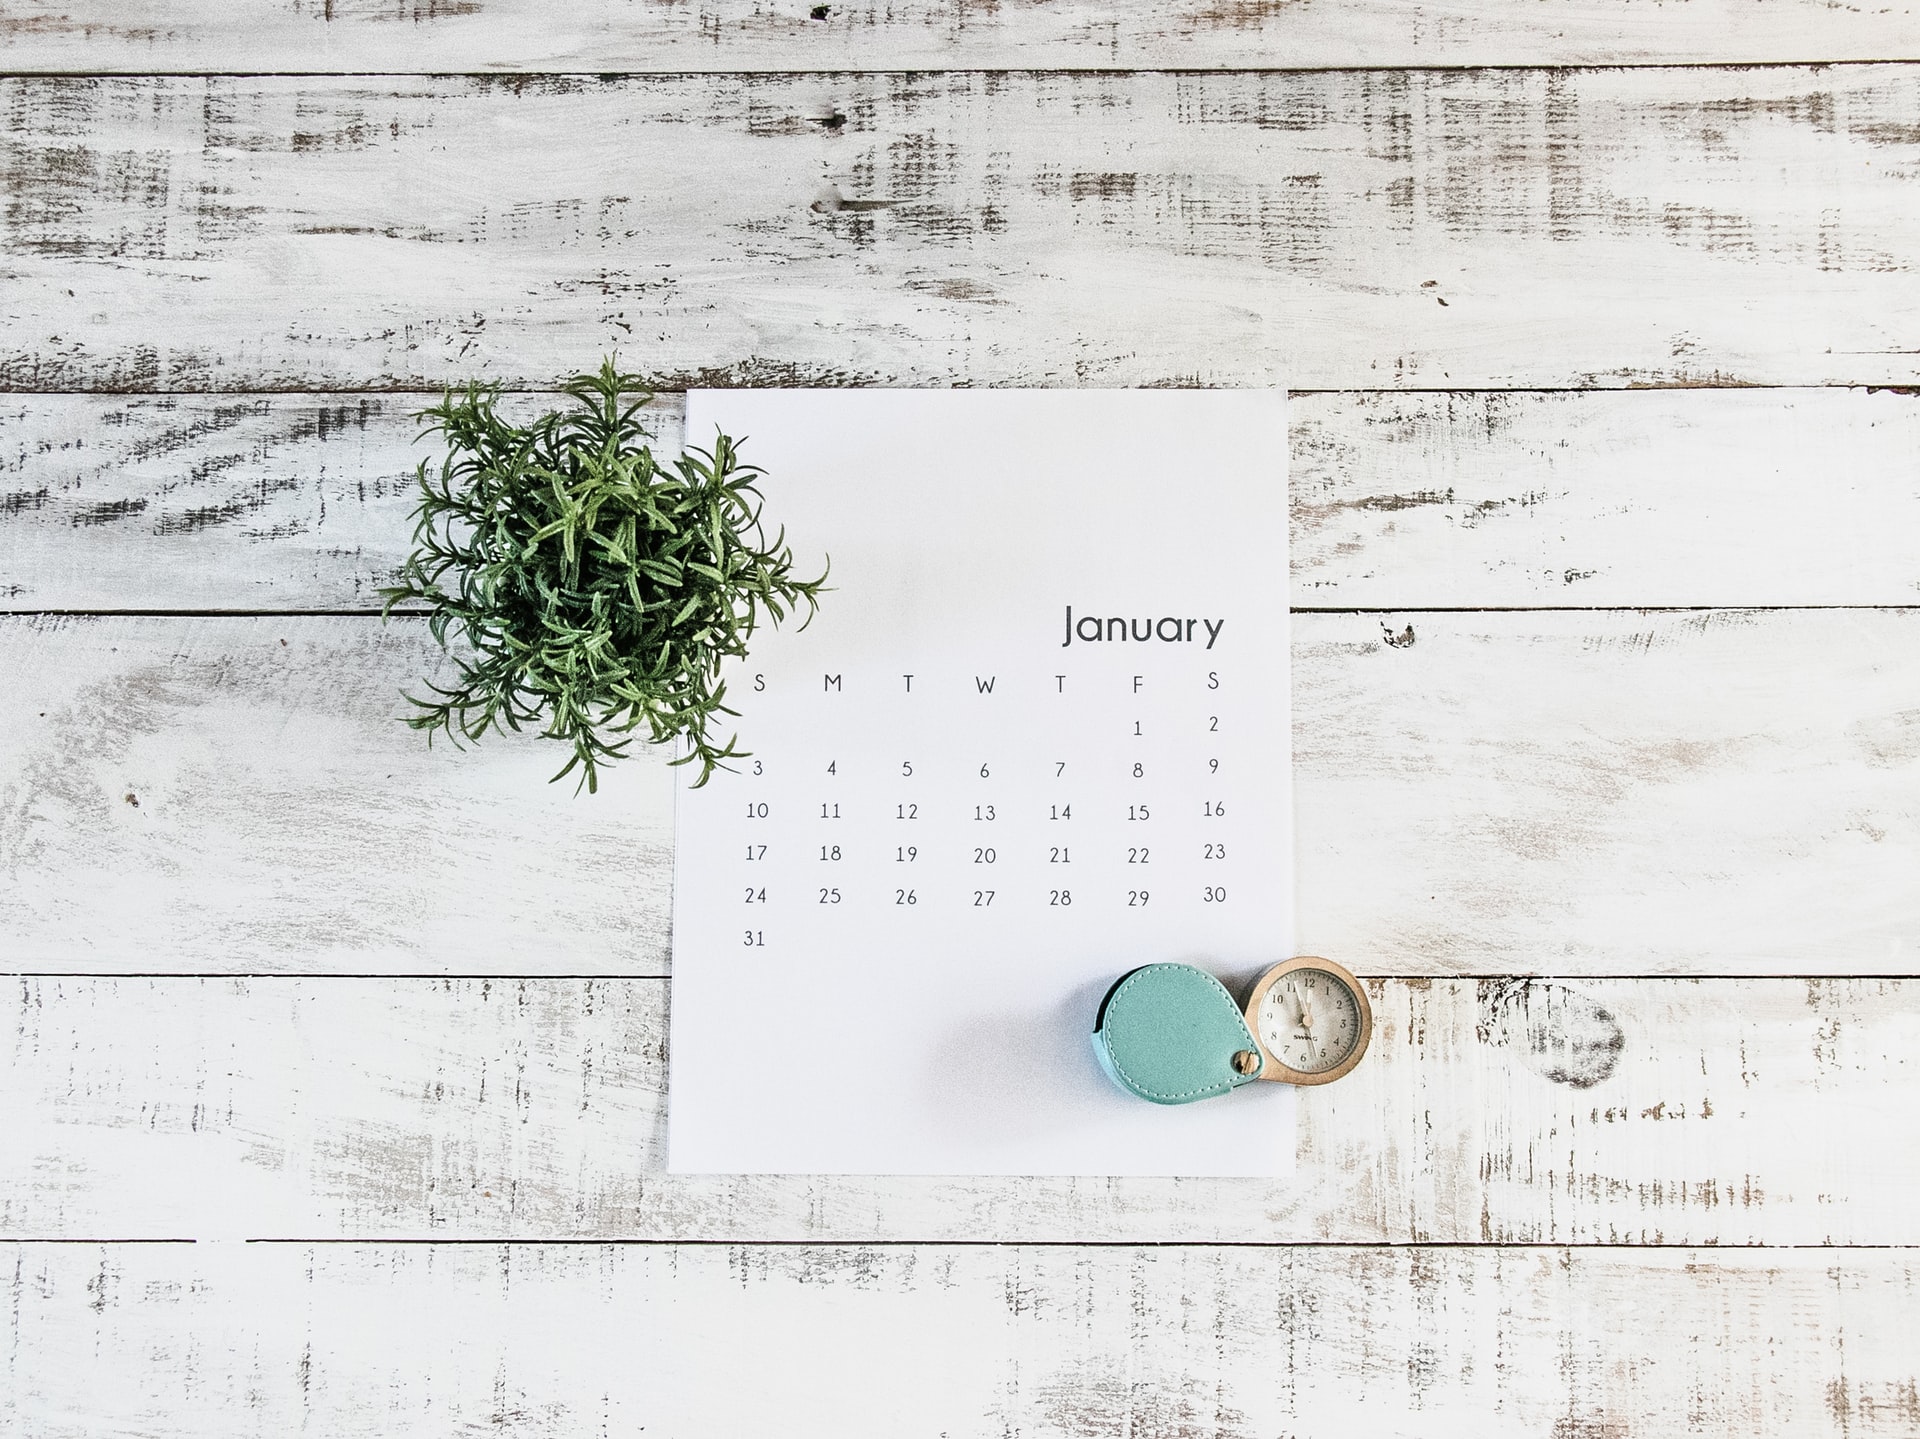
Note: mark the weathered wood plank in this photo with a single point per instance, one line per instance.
(1635, 1112)
(265, 502)
(1503, 228)
(1503, 793)
(237, 795)
(1717, 793)
(199, 36)
(987, 1340)
(1673, 497)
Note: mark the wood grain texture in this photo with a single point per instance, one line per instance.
(1620, 1112)
(236, 795)
(1502, 228)
(1569, 794)
(754, 35)
(1669, 497)
(1503, 793)
(240, 1340)
(263, 502)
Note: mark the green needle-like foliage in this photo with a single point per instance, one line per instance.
(593, 589)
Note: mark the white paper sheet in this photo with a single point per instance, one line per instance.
(977, 815)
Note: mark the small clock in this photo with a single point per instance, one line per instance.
(1311, 1019)
(1172, 1033)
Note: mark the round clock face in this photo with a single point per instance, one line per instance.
(1309, 1020)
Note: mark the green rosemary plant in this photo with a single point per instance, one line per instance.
(593, 589)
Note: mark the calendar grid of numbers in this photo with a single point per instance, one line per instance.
(1037, 735)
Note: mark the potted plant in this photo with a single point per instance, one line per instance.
(582, 584)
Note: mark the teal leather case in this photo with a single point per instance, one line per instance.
(1168, 1033)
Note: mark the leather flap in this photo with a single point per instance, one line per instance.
(1169, 1032)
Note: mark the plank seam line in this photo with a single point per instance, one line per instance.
(1524, 1246)
(509, 77)
(92, 1240)
(625, 977)
(631, 977)
(1576, 609)
(374, 614)
(321, 391)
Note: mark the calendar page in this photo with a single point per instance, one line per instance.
(1036, 736)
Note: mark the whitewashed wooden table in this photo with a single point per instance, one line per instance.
(334, 1075)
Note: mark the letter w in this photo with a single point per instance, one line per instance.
(984, 686)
